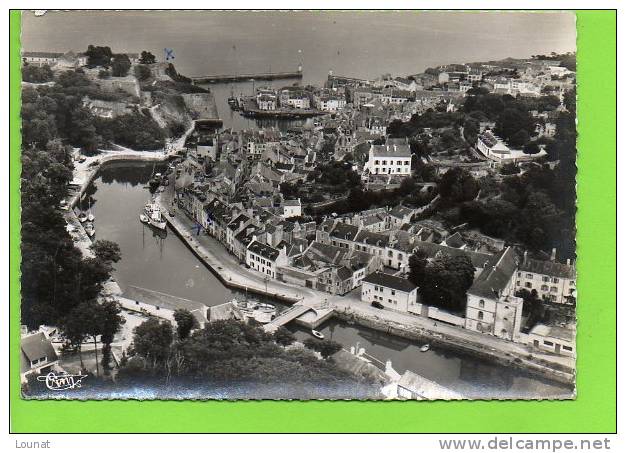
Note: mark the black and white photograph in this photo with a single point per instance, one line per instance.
(298, 205)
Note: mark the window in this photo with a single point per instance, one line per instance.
(377, 162)
(548, 343)
(481, 303)
(544, 287)
(390, 253)
(545, 279)
(572, 282)
(393, 292)
(554, 289)
(519, 274)
(503, 332)
(480, 315)
(528, 285)
(517, 283)
(505, 319)
(530, 276)
(555, 280)
(567, 348)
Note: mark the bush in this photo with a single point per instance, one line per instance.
(35, 74)
(325, 347)
(283, 336)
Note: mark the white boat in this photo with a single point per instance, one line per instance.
(259, 311)
(82, 217)
(143, 218)
(425, 348)
(317, 334)
(90, 229)
(91, 217)
(153, 213)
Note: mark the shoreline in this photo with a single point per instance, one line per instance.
(532, 365)
(341, 311)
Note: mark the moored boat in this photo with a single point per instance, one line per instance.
(317, 334)
(259, 311)
(425, 348)
(82, 217)
(90, 229)
(153, 213)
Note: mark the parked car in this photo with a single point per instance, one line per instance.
(378, 305)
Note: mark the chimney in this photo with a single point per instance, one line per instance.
(553, 256)
(525, 256)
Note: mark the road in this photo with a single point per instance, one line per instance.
(234, 273)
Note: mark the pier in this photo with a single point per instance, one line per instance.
(224, 78)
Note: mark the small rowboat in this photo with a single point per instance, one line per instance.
(317, 334)
(143, 218)
(425, 348)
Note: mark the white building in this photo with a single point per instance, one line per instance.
(291, 208)
(389, 159)
(491, 308)
(493, 148)
(390, 291)
(554, 339)
(555, 282)
(265, 259)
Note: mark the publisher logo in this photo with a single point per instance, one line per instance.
(62, 381)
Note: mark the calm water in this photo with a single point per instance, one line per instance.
(165, 264)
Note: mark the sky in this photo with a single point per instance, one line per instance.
(363, 43)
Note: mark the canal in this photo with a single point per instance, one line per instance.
(162, 262)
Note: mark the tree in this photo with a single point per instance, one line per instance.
(107, 251)
(283, 336)
(86, 320)
(512, 121)
(111, 322)
(417, 265)
(325, 347)
(147, 57)
(153, 339)
(37, 74)
(98, 56)
(444, 281)
(531, 148)
(142, 72)
(120, 64)
(184, 322)
(458, 185)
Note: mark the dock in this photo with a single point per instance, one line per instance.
(225, 78)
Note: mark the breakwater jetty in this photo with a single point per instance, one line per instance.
(224, 78)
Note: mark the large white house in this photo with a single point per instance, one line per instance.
(493, 148)
(263, 258)
(491, 308)
(389, 159)
(390, 291)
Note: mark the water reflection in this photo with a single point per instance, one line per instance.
(163, 263)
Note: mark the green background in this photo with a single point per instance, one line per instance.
(594, 410)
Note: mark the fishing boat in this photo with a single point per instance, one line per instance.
(425, 348)
(90, 229)
(317, 334)
(153, 213)
(261, 312)
(155, 181)
(90, 216)
(82, 217)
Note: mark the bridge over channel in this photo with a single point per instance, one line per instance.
(286, 317)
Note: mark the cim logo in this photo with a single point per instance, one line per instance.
(62, 381)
